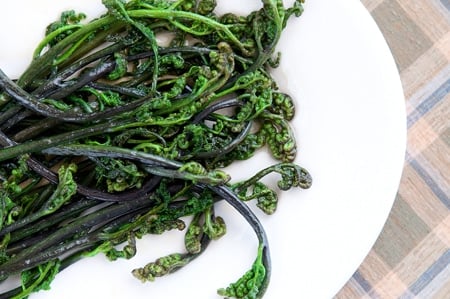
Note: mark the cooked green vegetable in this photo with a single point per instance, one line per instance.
(109, 135)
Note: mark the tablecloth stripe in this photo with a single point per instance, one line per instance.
(411, 257)
(432, 184)
(438, 267)
(429, 102)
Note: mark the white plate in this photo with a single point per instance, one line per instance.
(351, 130)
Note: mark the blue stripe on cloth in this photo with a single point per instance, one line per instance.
(427, 104)
(365, 285)
(362, 281)
(431, 273)
(446, 4)
(435, 188)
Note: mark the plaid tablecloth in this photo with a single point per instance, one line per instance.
(411, 258)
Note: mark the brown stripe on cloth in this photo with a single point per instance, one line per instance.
(406, 40)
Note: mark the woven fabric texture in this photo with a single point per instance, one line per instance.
(411, 258)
